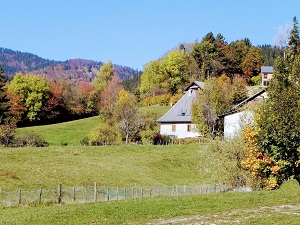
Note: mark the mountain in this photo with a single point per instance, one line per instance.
(75, 69)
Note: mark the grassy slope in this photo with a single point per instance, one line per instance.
(31, 168)
(69, 132)
(228, 208)
(72, 132)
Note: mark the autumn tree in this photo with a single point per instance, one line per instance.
(105, 75)
(252, 63)
(108, 98)
(4, 106)
(31, 93)
(218, 96)
(127, 117)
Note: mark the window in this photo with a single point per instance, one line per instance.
(265, 76)
(189, 128)
(173, 128)
(266, 83)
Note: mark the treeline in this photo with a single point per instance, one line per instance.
(211, 57)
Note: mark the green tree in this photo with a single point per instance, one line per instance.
(175, 69)
(218, 96)
(128, 119)
(4, 106)
(33, 92)
(105, 75)
(278, 121)
(152, 79)
(294, 41)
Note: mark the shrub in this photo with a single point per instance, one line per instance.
(30, 139)
(85, 141)
(7, 132)
(161, 139)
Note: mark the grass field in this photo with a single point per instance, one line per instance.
(69, 132)
(264, 207)
(148, 165)
(72, 132)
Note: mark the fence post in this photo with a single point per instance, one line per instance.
(20, 197)
(95, 192)
(125, 193)
(117, 193)
(142, 192)
(107, 192)
(74, 194)
(59, 193)
(40, 195)
(85, 194)
(150, 192)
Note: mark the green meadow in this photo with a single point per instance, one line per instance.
(263, 207)
(31, 168)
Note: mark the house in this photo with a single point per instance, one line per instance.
(241, 114)
(177, 121)
(266, 73)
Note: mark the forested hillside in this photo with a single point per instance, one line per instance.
(78, 69)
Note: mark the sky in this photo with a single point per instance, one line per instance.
(134, 32)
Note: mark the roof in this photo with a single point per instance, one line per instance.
(266, 69)
(181, 111)
(235, 108)
(195, 85)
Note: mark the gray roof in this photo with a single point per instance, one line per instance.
(266, 69)
(236, 107)
(181, 111)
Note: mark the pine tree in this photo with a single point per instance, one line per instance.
(278, 120)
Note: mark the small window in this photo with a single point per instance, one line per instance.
(266, 83)
(173, 128)
(265, 76)
(189, 128)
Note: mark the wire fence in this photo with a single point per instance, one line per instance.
(86, 194)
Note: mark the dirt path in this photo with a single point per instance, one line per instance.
(231, 217)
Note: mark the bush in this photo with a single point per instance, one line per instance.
(7, 133)
(85, 141)
(161, 139)
(30, 139)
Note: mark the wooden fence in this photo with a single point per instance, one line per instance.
(96, 193)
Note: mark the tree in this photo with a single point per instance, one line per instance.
(174, 67)
(4, 106)
(127, 116)
(105, 75)
(152, 79)
(109, 97)
(218, 96)
(276, 135)
(32, 93)
(294, 41)
(252, 63)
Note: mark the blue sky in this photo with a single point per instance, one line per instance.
(134, 32)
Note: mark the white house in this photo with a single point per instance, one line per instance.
(177, 121)
(240, 115)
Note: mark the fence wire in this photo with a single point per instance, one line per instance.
(86, 194)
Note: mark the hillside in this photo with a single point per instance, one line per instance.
(77, 69)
